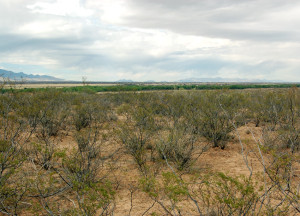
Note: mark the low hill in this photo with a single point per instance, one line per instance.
(27, 77)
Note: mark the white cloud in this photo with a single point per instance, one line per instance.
(60, 8)
(108, 11)
(50, 28)
(153, 40)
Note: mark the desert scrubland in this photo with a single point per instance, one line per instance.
(195, 152)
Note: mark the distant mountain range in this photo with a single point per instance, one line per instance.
(220, 79)
(44, 78)
(125, 81)
(26, 77)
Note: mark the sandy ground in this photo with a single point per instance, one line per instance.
(231, 161)
(130, 200)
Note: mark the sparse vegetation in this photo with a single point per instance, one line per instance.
(73, 152)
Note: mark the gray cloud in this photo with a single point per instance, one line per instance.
(157, 40)
(232, 19)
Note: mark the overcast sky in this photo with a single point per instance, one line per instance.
(161, 40)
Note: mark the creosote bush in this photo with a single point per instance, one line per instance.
(226, 195)
(59, 152)
(136, 133)
(179, 147)
(216, 118)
